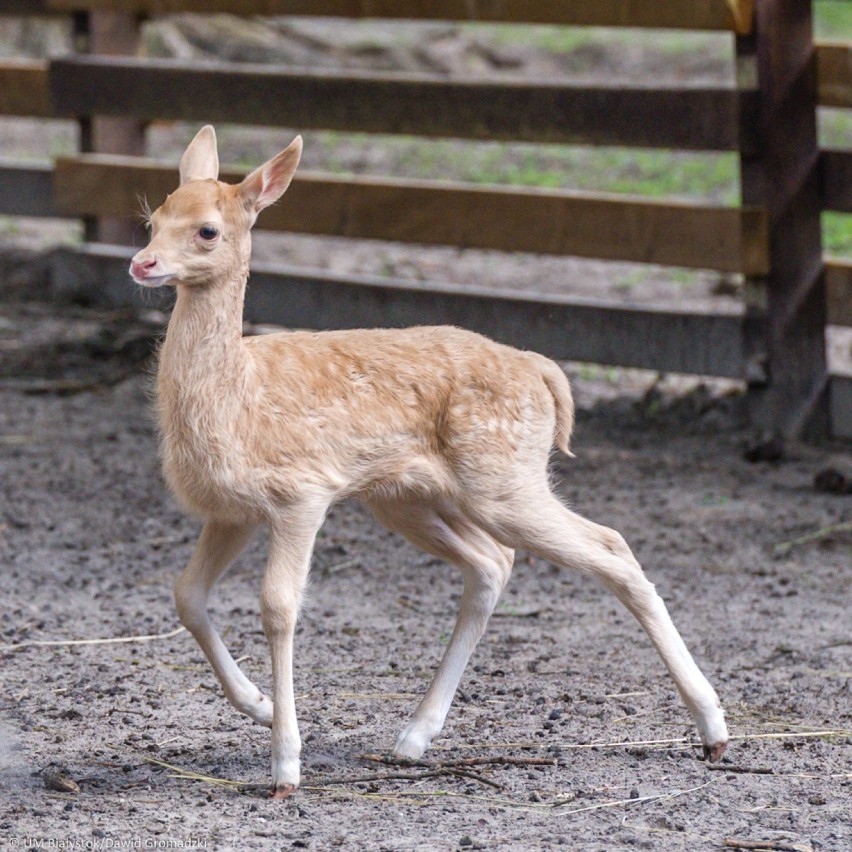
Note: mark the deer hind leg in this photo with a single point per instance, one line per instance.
(486, 565)
(538, 522)
(219, 544)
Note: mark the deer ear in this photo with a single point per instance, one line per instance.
(265, 185)
(200, 161)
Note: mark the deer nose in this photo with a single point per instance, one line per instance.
(139, 268)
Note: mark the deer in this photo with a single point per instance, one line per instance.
(443, 434)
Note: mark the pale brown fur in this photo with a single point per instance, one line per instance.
(443, 433)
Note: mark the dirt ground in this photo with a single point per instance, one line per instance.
(601, 755)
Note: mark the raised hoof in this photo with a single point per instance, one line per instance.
(282, 791)
(714, 753)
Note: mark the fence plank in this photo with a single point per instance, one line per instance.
(26, 190)
(785, 311)
(26, 7)
(679, 14)
(836, 180)
(834, 74)
(562, 328)
(543, 221)
(838, 282)
(24, 88)
(419, 104)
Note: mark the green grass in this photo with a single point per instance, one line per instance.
(837, 234)
(567, 40)
(833, 19)
(704, 176)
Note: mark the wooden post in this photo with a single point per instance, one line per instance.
(785, 310)
(110, 34)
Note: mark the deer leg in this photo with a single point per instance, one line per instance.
(485, 565)
(546, 527)
(291, 542)
(219, 544)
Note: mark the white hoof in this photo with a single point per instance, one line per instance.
(713, 732)
(411, 743)
(286, 773)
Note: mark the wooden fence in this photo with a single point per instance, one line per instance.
(776, 343)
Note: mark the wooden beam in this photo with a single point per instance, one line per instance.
(836, 180)
(26, 7)
(562, 328)
(785, 310)
(112, 34)
(24, 88)
(419, 104)
(680, 14)
(609, 227)
(834, 74)
(838, 280)
(26, 190)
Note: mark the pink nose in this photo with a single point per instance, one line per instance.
(141, 268)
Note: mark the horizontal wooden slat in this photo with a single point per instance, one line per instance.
(26, 190)
(418, 104)
(542, 221)
(834, 74)
(24, 89)
(562, 328)
(836, 180)
(689, 14)
(26, 7)
(838, 282)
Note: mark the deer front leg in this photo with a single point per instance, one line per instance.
(219, 544)
(290, 545)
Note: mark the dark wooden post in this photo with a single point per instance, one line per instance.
(785, 311)
(110, 34)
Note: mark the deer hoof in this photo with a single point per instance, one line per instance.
(282, 791)
(713, 753)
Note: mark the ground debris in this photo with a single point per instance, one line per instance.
(767, 845)
(58, 780)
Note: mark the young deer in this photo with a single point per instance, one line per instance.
(442, 433)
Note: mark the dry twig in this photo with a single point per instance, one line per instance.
(816, 535)
(117, 640)
(767, 845)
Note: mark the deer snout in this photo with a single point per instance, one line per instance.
(146, 269)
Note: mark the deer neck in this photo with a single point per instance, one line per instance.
(203, 358)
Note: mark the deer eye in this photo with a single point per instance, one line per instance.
(208, 232)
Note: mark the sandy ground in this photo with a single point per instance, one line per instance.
(90, 544)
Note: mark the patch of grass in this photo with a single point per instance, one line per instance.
(705, 176)
(835, 128)
(833, 19)
(837, 234)
(565, 40)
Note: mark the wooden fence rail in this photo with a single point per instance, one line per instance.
(768, 118)
(732, 16)
(592, 225)
(417, 104)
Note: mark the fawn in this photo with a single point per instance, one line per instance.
(442, 433)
